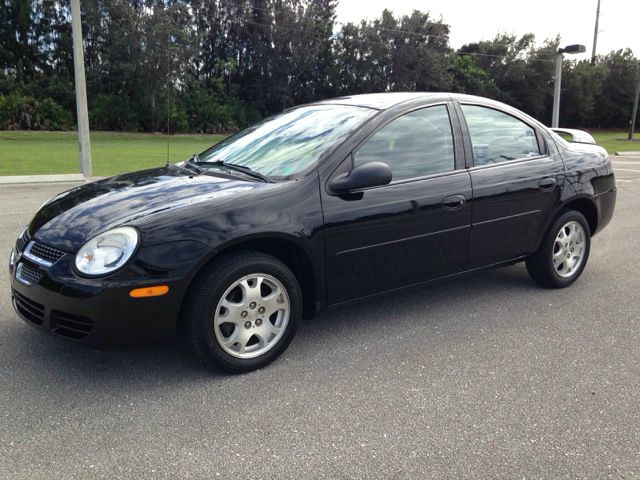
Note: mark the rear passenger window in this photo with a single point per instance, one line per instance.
(416, 144)
(497, 137)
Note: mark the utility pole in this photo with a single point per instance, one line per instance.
(632, 122)
(81, 91)
(595, 34)
(555, 116)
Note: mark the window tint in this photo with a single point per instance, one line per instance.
(497, 137)
(414, 145)
(291, 141)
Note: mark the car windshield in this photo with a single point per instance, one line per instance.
(289, 142)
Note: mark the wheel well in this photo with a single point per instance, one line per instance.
(292, 256)
(587, 208)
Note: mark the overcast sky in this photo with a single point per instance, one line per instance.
(473, 20)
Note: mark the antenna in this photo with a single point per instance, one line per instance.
(168, 51)
(168, 115)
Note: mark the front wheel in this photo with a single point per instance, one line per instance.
(563, 253)
(243, 311)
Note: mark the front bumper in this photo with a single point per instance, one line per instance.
(96, 312)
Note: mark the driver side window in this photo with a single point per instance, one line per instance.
(417, 144)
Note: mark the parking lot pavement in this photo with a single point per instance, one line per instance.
(627, 169)
(486, 377)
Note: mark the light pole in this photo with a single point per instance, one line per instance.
(81, 90)
(595, 35)
(634, 114)
(569, 49)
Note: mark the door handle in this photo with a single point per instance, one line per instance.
(453, 202)
(547, 184)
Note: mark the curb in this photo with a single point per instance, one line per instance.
(16, 179)
(627, 154)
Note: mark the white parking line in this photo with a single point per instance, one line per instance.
(625, 170)
(622, 180)
(627, 162)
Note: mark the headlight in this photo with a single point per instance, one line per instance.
(108, 251)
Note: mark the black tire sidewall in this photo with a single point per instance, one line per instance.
(216, 283)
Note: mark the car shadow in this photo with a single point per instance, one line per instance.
(47, 360)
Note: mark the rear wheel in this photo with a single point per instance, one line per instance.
(564, 252)
(243, 311)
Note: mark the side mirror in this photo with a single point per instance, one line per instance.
(370, 174)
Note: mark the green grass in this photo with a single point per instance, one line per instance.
(25, 153)
(616, 141)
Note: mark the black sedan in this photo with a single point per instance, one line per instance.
(320, 205)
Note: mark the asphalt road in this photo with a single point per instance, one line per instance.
(489, 377)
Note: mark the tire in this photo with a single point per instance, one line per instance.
(556, 263)
(242, 311)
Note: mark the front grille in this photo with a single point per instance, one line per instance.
(43, 252)
(27, 274)
(70, 325)
(32, 311)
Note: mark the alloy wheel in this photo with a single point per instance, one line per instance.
(568, 249)
(252, 315)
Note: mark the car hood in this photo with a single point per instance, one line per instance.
(73, 217)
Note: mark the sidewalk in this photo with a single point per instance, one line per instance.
(70, 177)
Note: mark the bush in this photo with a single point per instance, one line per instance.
(210, 112)
(113, 112)
(18, 112)
(53, 116)
(179, 121)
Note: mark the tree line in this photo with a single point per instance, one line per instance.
(218, 65)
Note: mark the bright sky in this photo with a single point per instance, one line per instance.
(473, 20)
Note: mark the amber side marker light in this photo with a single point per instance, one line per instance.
(154, 291)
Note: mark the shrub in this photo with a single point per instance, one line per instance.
(113, 112)
(210, 112)
(19, 112)
(52, 116)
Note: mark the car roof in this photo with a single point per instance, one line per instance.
(381, 101)
(384, 101)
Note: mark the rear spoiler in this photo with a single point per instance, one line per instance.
(577, 136)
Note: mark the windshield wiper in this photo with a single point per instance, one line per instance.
(238, 168)
(192, 164)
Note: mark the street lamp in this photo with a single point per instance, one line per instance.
(569, 49)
